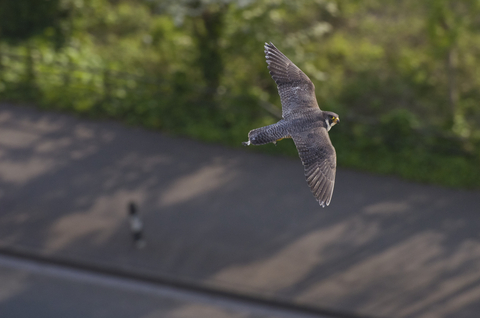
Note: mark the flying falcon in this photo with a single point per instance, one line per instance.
(304, 122)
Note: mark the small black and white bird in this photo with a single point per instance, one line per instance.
(304, 122)
(136, 226)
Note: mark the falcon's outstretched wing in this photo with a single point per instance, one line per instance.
(296, 90)
(319, 161)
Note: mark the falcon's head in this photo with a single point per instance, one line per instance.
(331, 119)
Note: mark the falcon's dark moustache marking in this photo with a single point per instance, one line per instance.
(304, 122)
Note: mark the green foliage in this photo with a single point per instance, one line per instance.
(401, 74)
(397, 130)
(23, 19)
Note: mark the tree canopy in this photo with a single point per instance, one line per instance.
(23, 19)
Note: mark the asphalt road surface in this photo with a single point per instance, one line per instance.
(36, 289)
(227, 219)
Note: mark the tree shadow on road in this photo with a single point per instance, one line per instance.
(236, 220)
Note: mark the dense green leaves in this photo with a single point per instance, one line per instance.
(401, 74)
(23, 19)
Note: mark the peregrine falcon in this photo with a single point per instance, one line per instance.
(304, 122)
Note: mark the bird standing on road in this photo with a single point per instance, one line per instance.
(136, 226)
(304, 122)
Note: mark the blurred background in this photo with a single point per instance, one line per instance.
(402, 75)
(148, 101)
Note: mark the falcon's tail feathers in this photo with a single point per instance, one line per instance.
(267, 134)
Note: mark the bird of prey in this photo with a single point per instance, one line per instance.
(304, 122)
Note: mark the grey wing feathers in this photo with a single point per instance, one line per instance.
(319, 160)
(294, 87)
